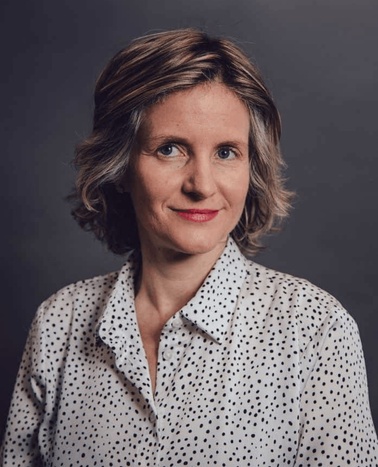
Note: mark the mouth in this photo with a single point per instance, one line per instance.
(197, 215)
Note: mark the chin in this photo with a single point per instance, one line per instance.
(200, 246)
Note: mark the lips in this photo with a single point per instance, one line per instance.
(197, 215)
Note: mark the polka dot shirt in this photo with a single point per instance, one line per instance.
(258, 369)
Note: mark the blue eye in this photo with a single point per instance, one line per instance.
(168, 150)
(226, 153)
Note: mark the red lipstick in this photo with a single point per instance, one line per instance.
(197, 215)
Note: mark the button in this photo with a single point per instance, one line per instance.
(176, 324)
(167, 354)
(152, 417)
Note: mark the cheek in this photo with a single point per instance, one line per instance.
(149, 194)
(239, 186)
(143, 199)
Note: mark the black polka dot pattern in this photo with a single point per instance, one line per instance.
(258, 369)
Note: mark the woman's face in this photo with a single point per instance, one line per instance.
(189, 174)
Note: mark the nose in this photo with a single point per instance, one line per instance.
(200, 182)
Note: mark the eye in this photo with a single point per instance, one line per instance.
(168, 150)
(226, 153)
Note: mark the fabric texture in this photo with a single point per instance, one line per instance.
(259, 368)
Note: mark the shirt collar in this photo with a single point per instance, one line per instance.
(211, 308)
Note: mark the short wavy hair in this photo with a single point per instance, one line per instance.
(139, 76)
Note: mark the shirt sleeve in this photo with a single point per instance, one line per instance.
(336, 424)
(20, 444)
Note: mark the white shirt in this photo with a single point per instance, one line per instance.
(259, 368)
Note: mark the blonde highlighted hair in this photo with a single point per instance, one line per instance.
(139, 76)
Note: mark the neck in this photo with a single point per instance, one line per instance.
(168, 280)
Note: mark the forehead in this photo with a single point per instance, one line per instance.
(207, 109)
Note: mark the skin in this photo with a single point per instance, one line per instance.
(188, 182)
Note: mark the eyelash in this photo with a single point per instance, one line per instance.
(164, 146)
(174, 146)
(227, 148)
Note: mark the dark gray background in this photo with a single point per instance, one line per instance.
(319, 58)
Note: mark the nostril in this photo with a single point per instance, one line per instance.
(200, 184)
(195, 195)
(199, 191)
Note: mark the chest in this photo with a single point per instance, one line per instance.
(211, 399)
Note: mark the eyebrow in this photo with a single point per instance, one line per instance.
(159, 139)
(172, 138)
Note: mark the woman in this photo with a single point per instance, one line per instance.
(191, 354)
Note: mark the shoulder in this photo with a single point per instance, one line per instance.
(286, 286)
(295, 303)
(75, 307)
(83, 292)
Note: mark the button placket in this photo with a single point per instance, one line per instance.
(152, 417)
(166, 361)
(185, 338)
